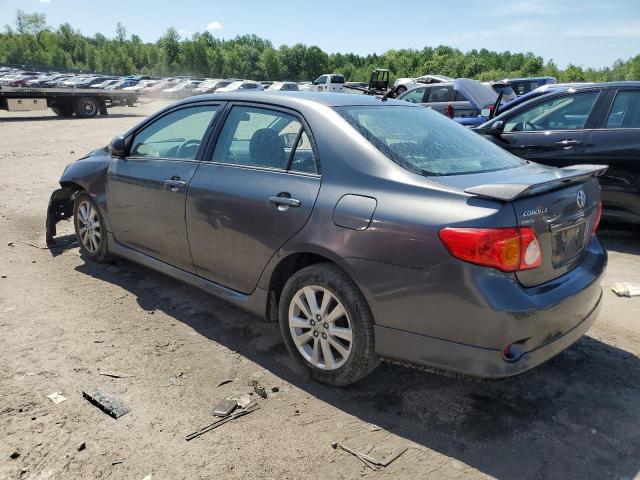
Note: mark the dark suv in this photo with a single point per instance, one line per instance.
(597, 123)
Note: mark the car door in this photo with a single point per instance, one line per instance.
(439, 96)
(255, 193)
(551, 131)
(415, 95)
(616, 142)
(146, 191)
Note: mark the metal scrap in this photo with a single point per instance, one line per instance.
(222, 421)
(107, 403)
(370, 461)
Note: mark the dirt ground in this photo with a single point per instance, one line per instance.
(64, 321)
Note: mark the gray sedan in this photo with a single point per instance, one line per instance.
(368, 229)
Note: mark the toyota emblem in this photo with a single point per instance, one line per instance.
(581, 199)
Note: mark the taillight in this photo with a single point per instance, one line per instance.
(448, 110)
(507, 249)
(596, 219)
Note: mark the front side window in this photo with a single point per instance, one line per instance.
(414, 96)
(625, 111)
(426, 142)
(321, 80)
(569, 112)
(175, 135)
(260, 137)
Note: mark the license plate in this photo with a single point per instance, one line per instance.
(568, 242)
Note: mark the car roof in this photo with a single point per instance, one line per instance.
(295, 99)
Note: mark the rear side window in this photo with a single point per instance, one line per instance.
(414, 96)
(262, 137)
(458, 97)
(569, 112)
(439, 94)
(175, 135)
(337, 79)
(625, 111)
(426, 142)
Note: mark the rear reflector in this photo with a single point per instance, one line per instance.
(596, 219)
(507, 249)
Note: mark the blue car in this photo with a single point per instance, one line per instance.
(523, 86)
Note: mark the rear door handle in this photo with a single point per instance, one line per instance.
(175, 183)
(569, 143)
(284, 201)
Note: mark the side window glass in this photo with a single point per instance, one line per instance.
(303, 159)
(625, 111)
(439, 94)
(175, 135)
(256, 137)
(458, 97)
(569, 112)
(414, 96)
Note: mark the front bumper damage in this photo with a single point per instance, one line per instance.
(60, 208)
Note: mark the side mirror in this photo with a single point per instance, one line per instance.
(117, 147)
(497, 128)
(485, 112)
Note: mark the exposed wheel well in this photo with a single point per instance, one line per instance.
(283, 271)
(60, 208)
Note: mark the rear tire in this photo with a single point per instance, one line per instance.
(90, 229)
(331, 335)
(87, 107)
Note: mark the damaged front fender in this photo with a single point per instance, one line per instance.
(60, 208)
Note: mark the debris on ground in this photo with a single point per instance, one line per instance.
(373, 427)
(116, 462)
(258, 389)
(9, 244)
(56, 397)
(238, 413)
(225, 407)
(626, 289)
(107, 403)
(275, 389)
(243, 400)
(82, 446)
(226, 371)
(115, 375)
(15, 454)
(371, 461)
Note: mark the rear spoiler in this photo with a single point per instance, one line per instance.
(538, 182)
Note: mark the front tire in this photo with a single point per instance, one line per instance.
(90, 228)
(327, 325)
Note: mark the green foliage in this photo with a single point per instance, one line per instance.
(249, 56)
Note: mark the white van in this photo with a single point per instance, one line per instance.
(329, 82)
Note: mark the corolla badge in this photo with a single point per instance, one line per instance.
(581, 199)
(534, 211)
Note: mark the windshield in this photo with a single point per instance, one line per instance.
(426, 142)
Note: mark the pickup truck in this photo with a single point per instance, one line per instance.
(329, 82)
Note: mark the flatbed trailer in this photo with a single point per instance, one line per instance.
(65, 102)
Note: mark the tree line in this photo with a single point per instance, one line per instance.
(32, 42)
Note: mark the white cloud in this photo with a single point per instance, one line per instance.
(619, 30)
(45, 1)
(214, 26)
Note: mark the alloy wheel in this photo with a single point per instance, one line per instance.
(320, 327)
(89, 228)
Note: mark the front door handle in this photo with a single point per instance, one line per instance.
(175, 184)
(568, 143)
(284, 201)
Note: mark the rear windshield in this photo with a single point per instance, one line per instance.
(425, 141)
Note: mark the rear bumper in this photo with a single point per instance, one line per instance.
(457, 316)
(470, 360)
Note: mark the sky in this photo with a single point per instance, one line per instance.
(582, 32)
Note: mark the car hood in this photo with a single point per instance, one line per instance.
(478, 94)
